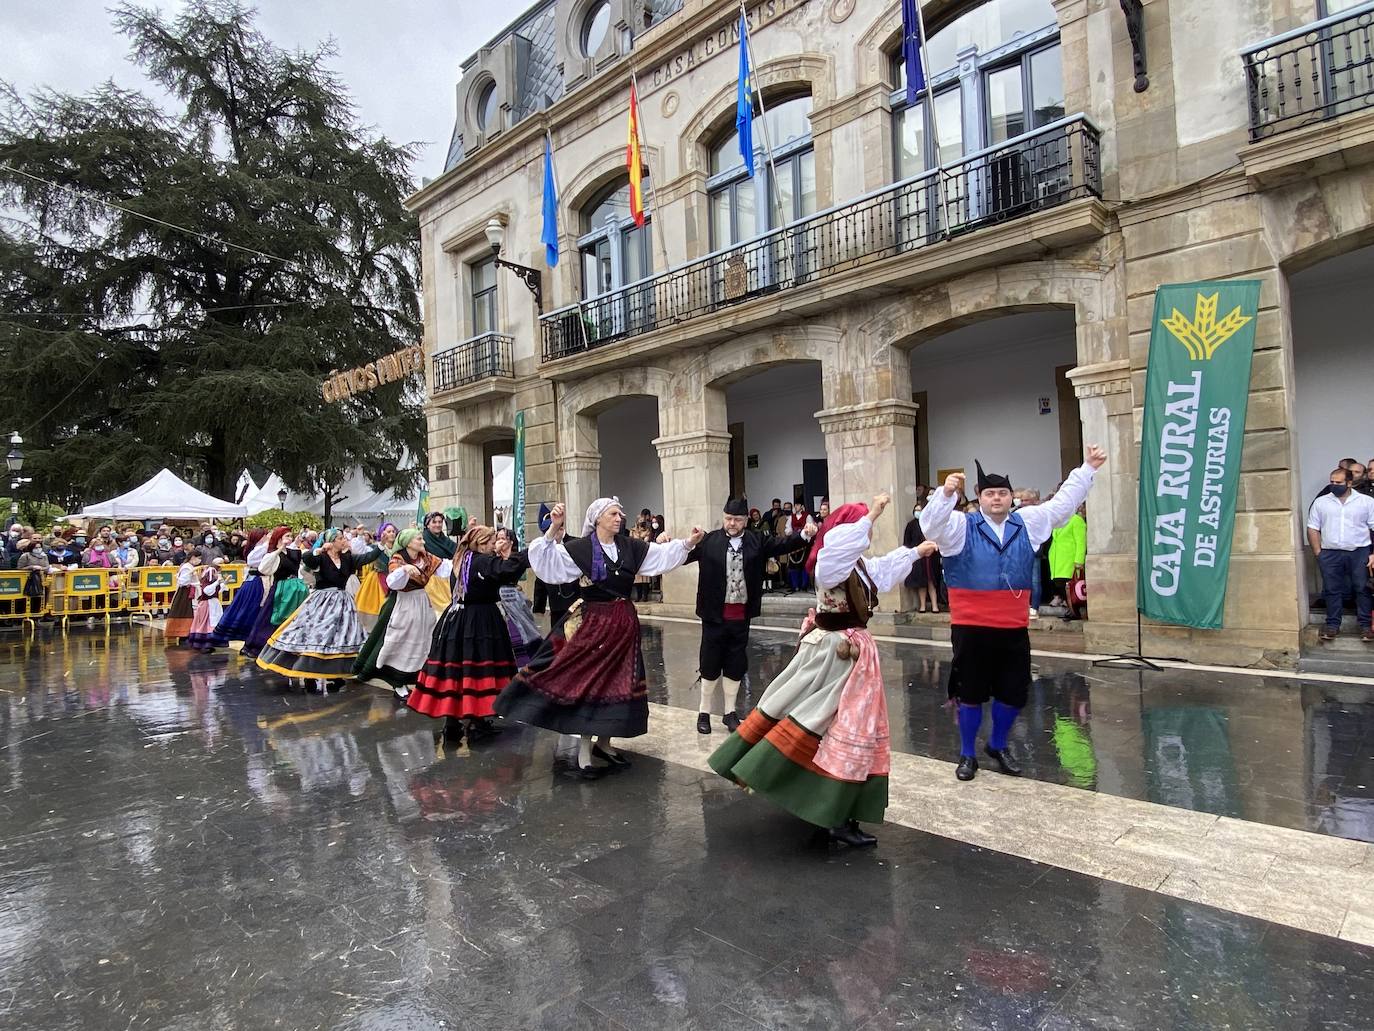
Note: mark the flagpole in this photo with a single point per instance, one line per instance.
(763, 118)
(653, 179)
(940, 194)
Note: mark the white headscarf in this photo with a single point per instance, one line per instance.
(594, 511)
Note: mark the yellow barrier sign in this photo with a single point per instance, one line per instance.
(12, 582)
(88, 581)
(159, 579)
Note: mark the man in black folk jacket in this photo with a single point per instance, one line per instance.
(729, 590)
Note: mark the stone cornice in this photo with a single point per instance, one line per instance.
(1188, 197)
(579, 461)
(871, 415)
(701, 442)
(851, 108)
(1101, 379)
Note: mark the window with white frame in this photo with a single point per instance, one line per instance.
(996, 72)
(740, 207)
(482, 290)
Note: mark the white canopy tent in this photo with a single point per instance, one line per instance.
(165, 496)
(360, 501)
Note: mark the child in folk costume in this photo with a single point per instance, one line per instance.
(470, 656)
(237, 622)
(320, 640)
(524, 631)
(817, 744)
(208, 610)
(587, 678)
(372, 589)
(396, 650)
(179, 617)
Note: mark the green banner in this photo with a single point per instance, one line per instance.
(1201, 344)
(518, 516)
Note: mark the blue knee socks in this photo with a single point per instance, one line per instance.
(1003, 716)
(970, 719)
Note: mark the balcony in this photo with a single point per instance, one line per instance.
(1048, 168)
(1312, 74)
(475, 369)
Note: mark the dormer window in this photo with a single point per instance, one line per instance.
(595, 25)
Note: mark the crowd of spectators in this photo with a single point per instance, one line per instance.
(1340, 527)
(105, 547)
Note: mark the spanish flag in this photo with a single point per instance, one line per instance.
(634, 161)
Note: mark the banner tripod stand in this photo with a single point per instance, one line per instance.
(1137, 659)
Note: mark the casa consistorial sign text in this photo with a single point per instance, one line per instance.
(720, 40)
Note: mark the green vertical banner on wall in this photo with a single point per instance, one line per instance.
(1196, 386)
(518, 517)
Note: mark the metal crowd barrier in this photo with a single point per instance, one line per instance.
(66, 594)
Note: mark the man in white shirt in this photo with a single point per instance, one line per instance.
(1339, 526)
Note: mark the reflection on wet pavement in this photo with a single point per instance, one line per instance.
(185, 845)
(1289, 753)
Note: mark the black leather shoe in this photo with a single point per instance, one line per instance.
(849, 834)
(453, 730)
(703, 723)
(591, 772)
(968, 767)
(731, 721)
(1002, 757)
(617, 761)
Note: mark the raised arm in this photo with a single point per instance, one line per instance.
(939, 520)
(887, 571)
(663, 558)
(844, 546)
(1042, 520)
(551, 561)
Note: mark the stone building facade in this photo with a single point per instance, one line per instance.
(892, 268)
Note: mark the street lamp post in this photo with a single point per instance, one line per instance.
(496, 236)
(14, 460)
(281, 498)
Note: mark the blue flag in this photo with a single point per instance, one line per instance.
(744, 101)
(911, 51)
(549, 237)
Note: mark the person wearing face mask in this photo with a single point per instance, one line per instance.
(62, 554)
(179, 553)
(924, 577)
(731, 561)
(1339, 527)
(209, 546)
(989, 564)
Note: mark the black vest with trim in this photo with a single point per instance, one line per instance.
(620, 574)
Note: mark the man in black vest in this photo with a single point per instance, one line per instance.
(729, 591)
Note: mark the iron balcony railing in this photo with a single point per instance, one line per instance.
(479, 358)
(1314, 73)
(1041, 169)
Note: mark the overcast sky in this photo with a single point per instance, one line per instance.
(399, 58)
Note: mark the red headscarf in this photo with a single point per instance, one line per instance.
(253, 537)
(850, 513)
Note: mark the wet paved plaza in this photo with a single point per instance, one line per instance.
(185, 845)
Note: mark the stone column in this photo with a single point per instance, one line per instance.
(696, 479)
(869, 448)
(580, 473)
(1105, 409)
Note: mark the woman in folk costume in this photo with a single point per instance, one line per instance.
(209, 611)
(283, 564)
(396, 650)
(817, 744)
(441, 546)
(587, 678)
(320, 640)
(470, 657)
(372, 591)
(237, 622)
(178, 625)
(524, 631)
